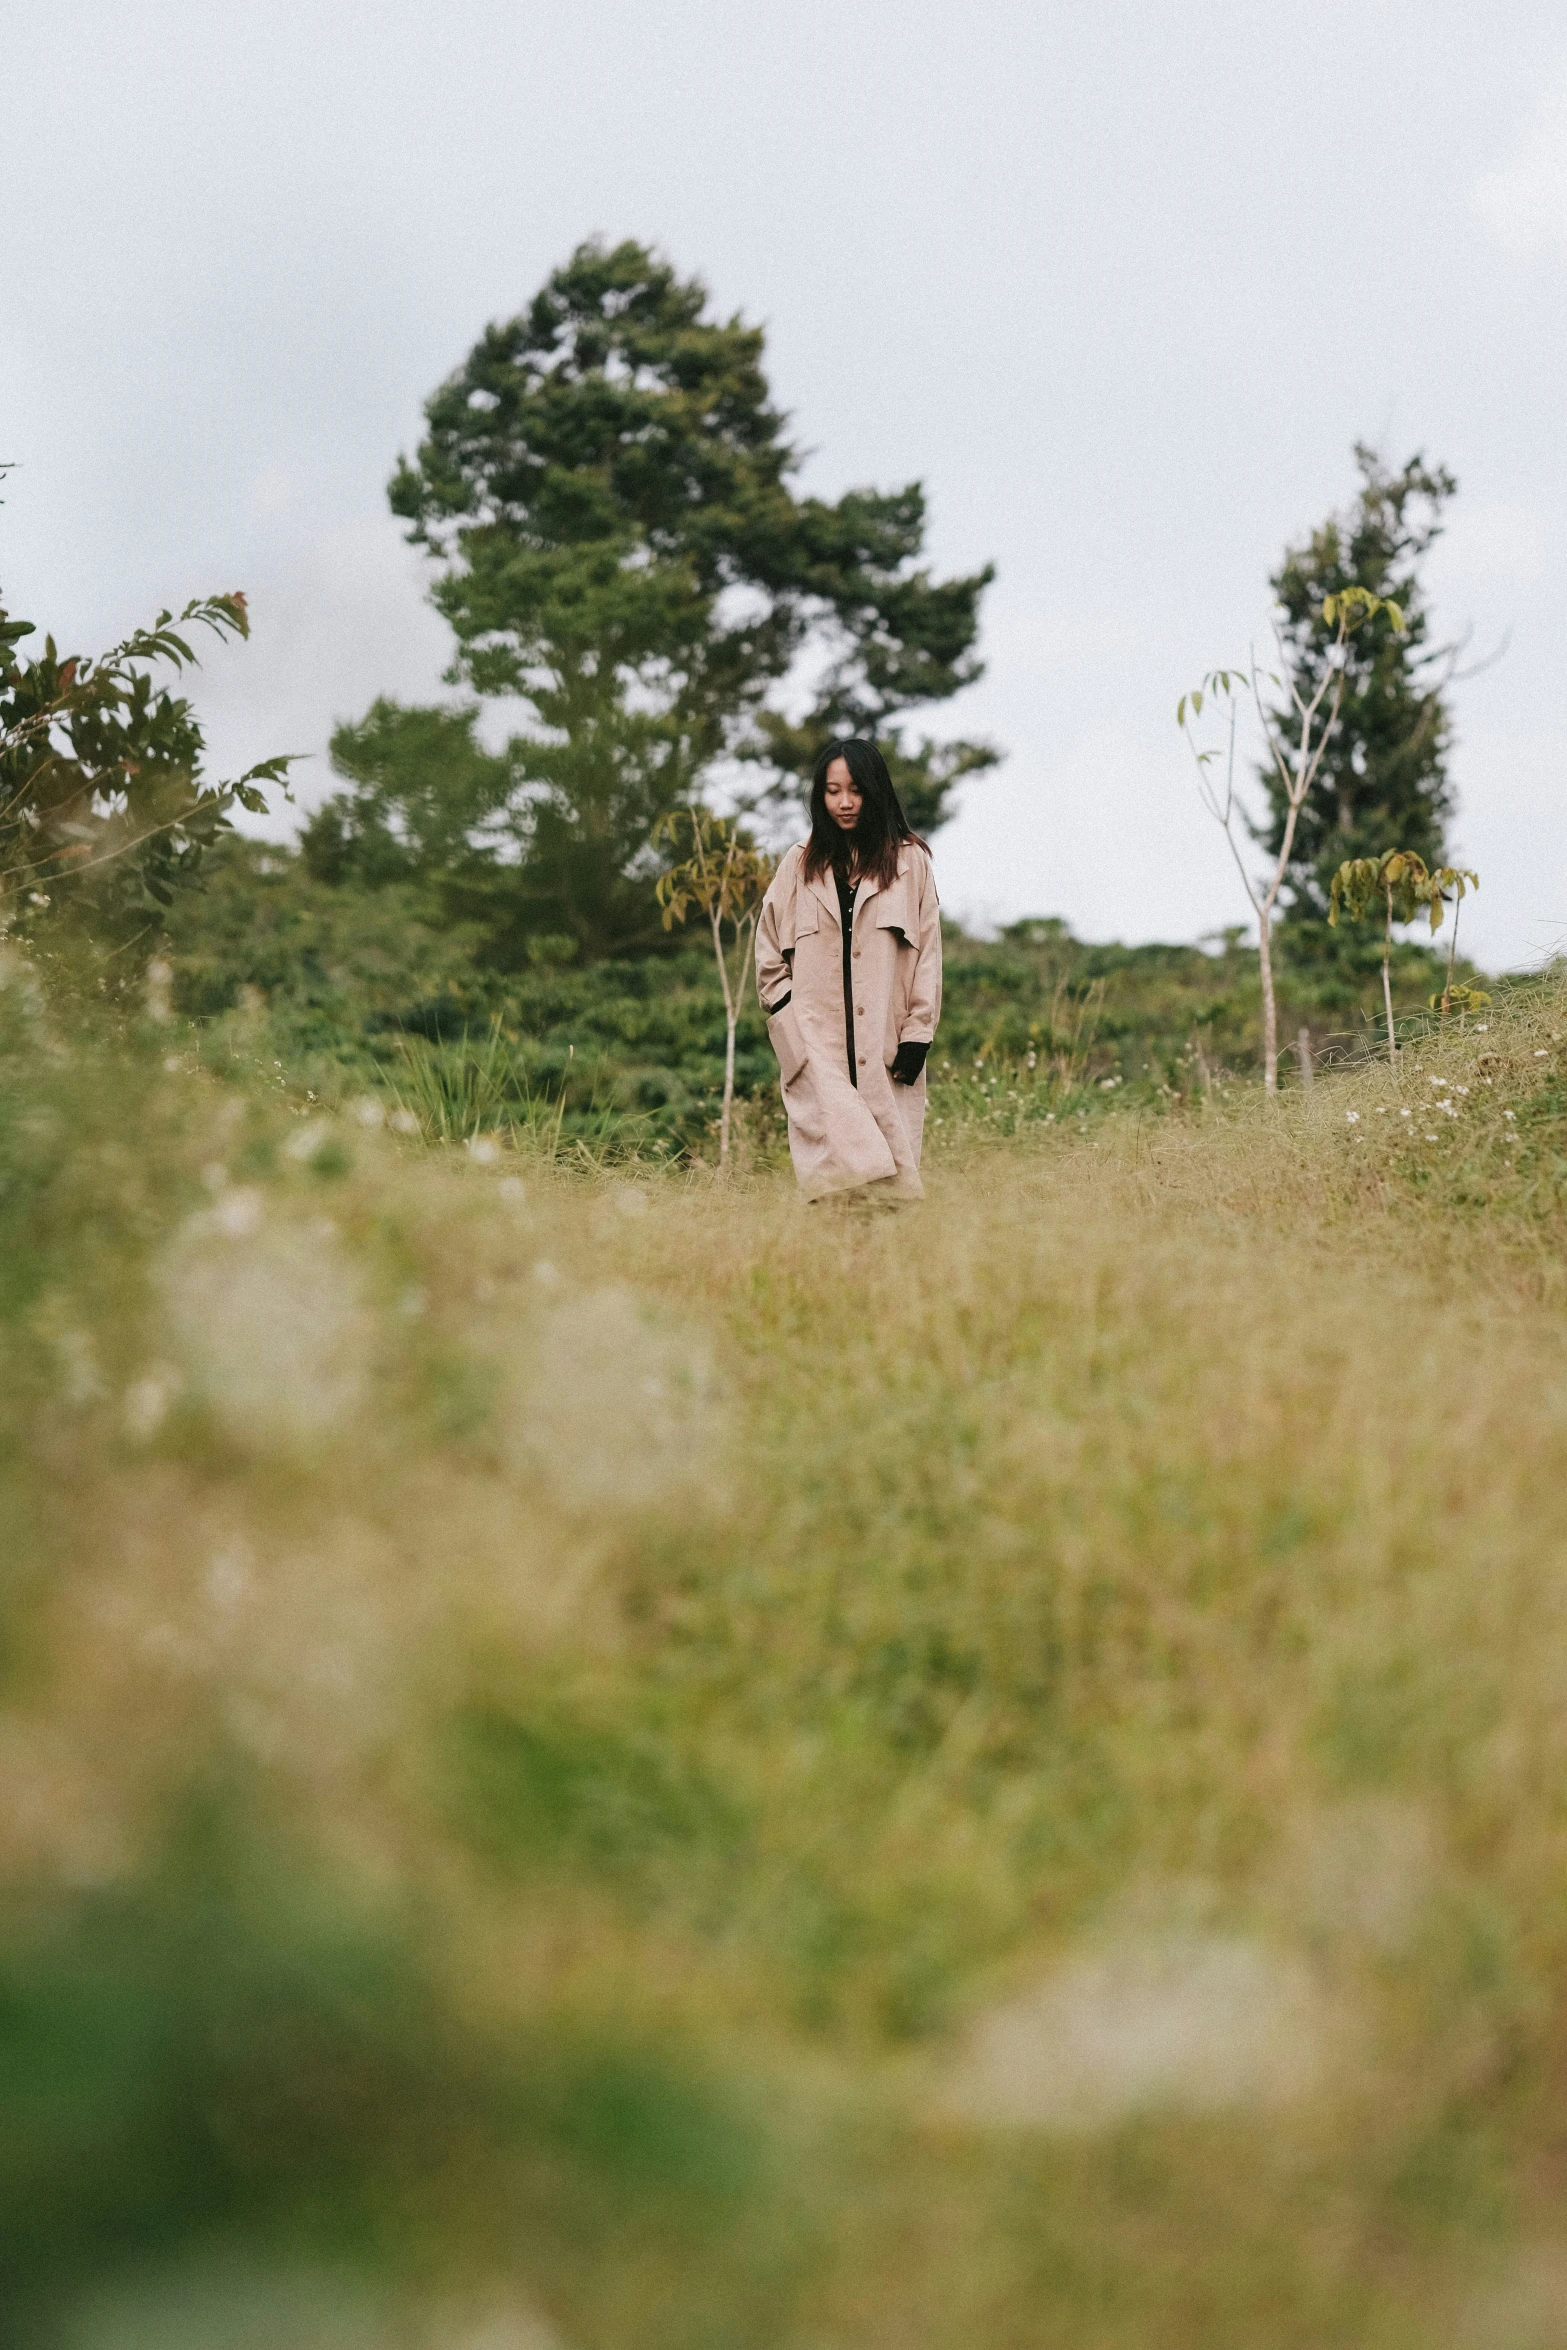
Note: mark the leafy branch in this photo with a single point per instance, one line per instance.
(98, 768)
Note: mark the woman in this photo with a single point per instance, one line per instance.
(848, 969)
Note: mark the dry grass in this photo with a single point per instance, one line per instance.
(994, 1773)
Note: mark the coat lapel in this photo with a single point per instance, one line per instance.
(895, 911)
(824, 890)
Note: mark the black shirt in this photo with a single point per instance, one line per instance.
(846, 896)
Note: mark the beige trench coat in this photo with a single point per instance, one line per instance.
(845, 1133)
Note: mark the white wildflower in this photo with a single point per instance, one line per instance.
(159, 982)
(616, 1407)
(228, 1577)
(403, 1122)
(368, 1111)
(237, 1212)
(1352, 1117)
(146, 1402)
(1176, 2023)
(311, 1138)
(484, 1149)
(270, 1323)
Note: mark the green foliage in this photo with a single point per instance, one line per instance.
(1458, 999)
(725, 876)
(102, 802)
(424, 788)
(1383, 782)
(605, 488)
(347, 988)
(1398, 883)
(543, 1788)
(229, 2051)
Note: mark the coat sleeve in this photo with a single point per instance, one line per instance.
(773, 958)
(919, 1023)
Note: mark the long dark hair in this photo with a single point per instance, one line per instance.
(882, 828)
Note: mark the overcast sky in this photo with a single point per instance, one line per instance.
(1121, 286)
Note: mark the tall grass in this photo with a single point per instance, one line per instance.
(597, 1755)
(466, 1088)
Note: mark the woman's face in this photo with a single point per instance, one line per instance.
(844, 796)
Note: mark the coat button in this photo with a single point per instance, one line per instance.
(862, 1060)
(860, 1008)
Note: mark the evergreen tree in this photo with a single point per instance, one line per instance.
(1383, 783)
(606, 488)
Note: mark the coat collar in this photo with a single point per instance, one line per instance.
(825, 890)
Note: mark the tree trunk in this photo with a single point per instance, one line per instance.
(1387, 986)
(1303, 1056)
(1270, 1010)
(1452, 952)
(729, 1093)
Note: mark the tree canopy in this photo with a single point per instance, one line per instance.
(607, 491)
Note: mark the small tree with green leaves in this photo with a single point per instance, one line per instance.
(1295, 758)
(1384, 783)
(726, 877)
(1397, 886)
(101, 790)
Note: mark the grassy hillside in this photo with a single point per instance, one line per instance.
(598, 1758)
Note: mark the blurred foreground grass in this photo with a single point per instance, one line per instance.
(594, 1757)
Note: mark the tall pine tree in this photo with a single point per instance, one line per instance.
(607, 490)
(1384, 782)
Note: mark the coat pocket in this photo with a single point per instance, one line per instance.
(783, 1030)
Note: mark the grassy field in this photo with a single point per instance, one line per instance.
(597, 1758)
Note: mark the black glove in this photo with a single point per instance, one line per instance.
(907, 1062)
